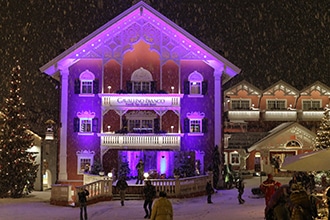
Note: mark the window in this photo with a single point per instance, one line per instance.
(234, 158)
(311, 104)
(85, 123)
(195, 86)
(84, 160)
(86, 85)
(195, 123)
(292, 144)
(240, 104)
(141, 87)
(276, 104)
(142, 122)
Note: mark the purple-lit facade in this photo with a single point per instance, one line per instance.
(139, 87)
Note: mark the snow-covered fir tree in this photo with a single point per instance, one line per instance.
(323, 133)
(17, 165)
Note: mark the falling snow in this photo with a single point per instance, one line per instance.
(268, 40)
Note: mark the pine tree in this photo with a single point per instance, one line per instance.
(18, 169)
(323, 133)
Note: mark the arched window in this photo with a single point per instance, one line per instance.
(141, 82)
(86, 85)
(85, 122)
(195, 86)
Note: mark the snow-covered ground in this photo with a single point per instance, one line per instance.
(225, 206)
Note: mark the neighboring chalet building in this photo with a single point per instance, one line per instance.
(262, 126)
(139, 87)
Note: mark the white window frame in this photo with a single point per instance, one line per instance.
(277, 103)
(231, 154)
(311, 102)
(84, 157)
(86, 118)
(195, 117)
(86, 81)
(226, 158)
(241, 104)
(140, 86)
(195, 84)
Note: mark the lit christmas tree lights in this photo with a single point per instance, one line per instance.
(17, 166)
(323, 133)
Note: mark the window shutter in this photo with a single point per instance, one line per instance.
(129, 86)
(186, 87)
(204, 87)
(124, 123)
(77, 86)
(186, 127)
(156, 125)
(96, 86)
(204, 125)
(153, 86)
(95, 123)
(76, 125)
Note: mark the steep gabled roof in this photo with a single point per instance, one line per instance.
(319, 86)
(281, 85)
(287, 129)
(243, 85)
(138, 22)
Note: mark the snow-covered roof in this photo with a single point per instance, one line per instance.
(131, 26)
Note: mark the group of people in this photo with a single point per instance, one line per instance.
(288, 201)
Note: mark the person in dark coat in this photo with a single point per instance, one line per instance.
(140, 169)
(240, 188)
(122, 185)
(209, 191)
(149, 195)
(82, 197)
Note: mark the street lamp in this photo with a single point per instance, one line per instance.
(109, 88)
(172, 87)
(172, 127)
(109, 128)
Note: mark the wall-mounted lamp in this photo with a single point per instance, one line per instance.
(172, 88)
(146, 175)
(109, 128)
(110, 175)
(172, 127)
(109, 88)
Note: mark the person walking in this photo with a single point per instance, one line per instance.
(268, 187)
(162, 209)
(209, 191)
(240, 188)
(149, 193)
(82, 198)
(122, 185)
(140, 169)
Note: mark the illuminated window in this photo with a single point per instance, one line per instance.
(234, 158)
(195, 86)
(84, 161)
(276, 104)
(86, 85)
(311, 105)
(195, 123)
(85, 122)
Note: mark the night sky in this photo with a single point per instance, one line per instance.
(269, 40)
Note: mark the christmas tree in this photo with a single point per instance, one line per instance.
(17, 166)
(323, 133)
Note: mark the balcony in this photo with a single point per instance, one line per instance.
(244, 115)
(141, 101)
(168, 141)
(280, 115)
(312, 115)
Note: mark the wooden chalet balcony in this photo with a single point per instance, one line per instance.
(244, 115)
(167, 141)
(280, 115)
(311, 115)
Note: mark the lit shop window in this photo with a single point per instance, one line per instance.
(311, 105)
(85, 123)
(86, 85)
(195, 86)
(84, 161)
(195, 123)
